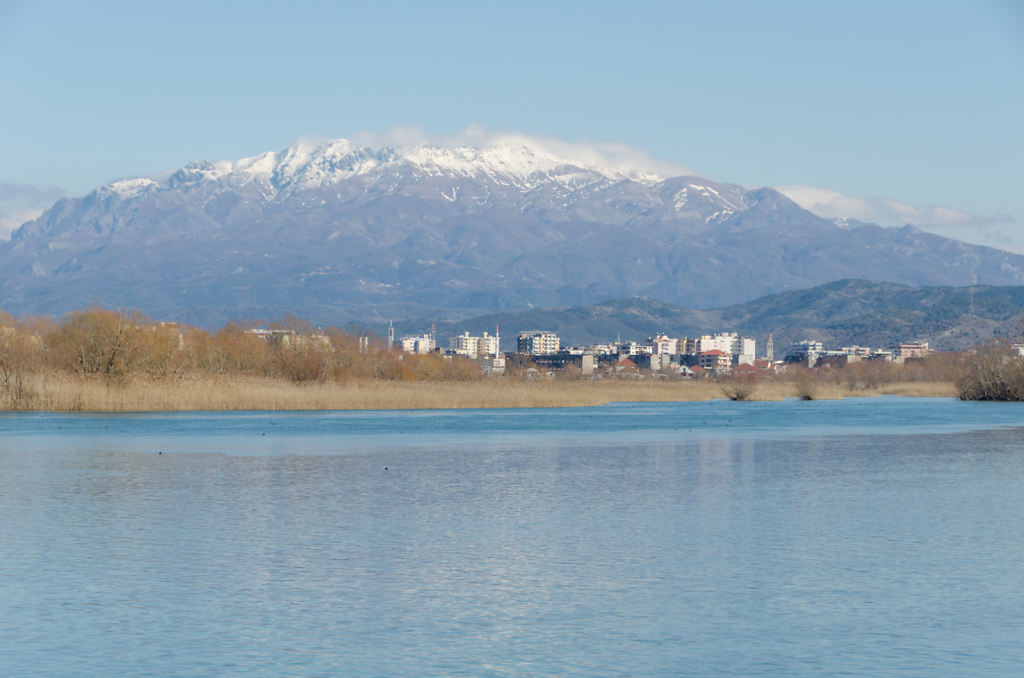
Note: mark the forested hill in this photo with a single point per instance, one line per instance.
(838, 313)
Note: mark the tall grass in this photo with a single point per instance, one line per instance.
(99, 360)
(62, 392)
(72, 393)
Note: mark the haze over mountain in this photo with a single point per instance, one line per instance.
(337, 232)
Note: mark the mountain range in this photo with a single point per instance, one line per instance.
(337, 233)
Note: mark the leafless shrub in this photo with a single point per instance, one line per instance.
(738, 387)
(994, 372)
(805, 385)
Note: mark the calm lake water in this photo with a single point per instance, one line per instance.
(876, 537)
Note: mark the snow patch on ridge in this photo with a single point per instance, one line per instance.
(129, 188)
(511, 159)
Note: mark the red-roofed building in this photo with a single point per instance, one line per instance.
(626, 366)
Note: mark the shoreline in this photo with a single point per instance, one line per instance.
(65, 393)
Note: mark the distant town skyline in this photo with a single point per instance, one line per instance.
(895, 113)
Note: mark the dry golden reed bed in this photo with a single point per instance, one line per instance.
(69, 393)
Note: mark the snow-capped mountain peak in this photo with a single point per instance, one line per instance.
(512, 159)
(608, 184)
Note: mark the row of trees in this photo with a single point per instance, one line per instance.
(808, 383)
(116, 345)
(994, 371)
(113, 345)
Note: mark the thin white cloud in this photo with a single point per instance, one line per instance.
(12, 218)
(26, 193)
(22, 202)
(611, 155)
(981, 229)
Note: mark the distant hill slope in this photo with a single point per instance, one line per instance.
(339, 233)
(839, 313)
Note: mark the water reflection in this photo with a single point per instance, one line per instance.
(800, 555)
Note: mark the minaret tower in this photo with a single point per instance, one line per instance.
(391, 334)
(769, 349)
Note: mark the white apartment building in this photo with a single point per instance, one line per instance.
(474, 347)
(856, 353)
(538, 342)
(913, 350)
(806, 351)
(466, 345)
(715, 360)
(420, 345)
(632, 348)
(719, 342)
(742, 349)
(662, 344)
(490, 345)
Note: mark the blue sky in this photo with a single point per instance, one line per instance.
(889, 111)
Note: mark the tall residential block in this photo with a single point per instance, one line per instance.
(538, 342)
